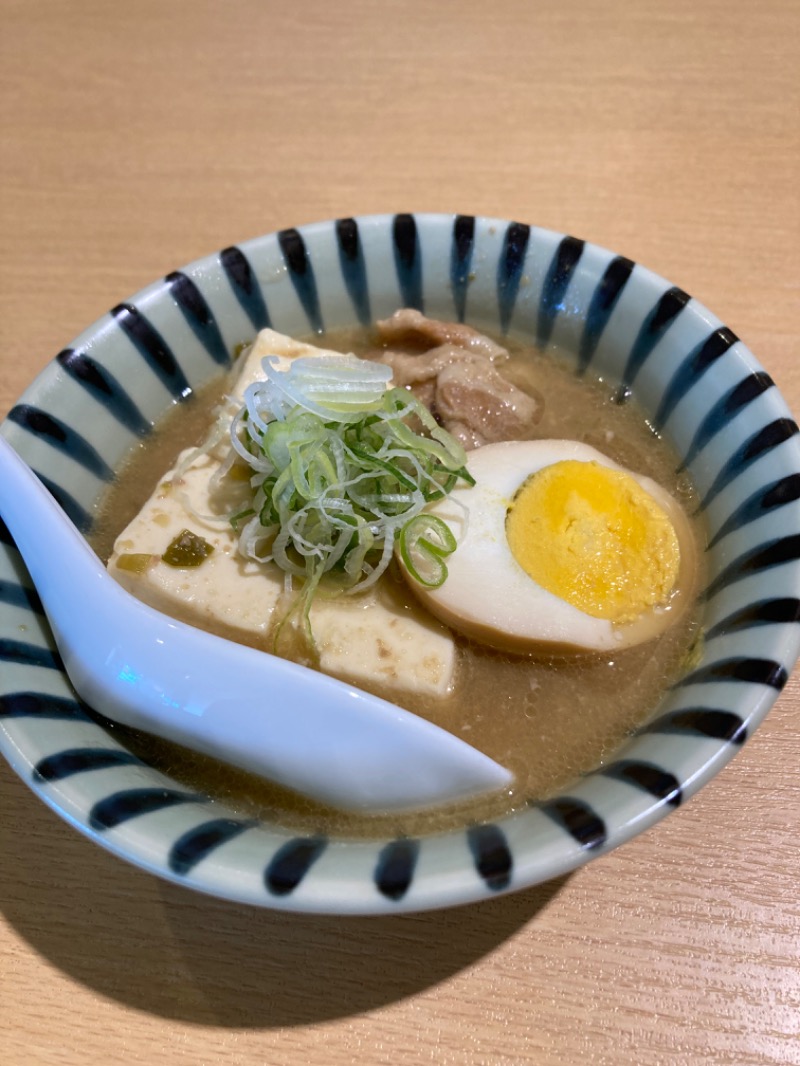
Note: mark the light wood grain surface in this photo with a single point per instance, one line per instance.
(139, 136)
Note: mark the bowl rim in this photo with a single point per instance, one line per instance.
(479, 861)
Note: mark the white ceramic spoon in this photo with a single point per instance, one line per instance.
(287, 723)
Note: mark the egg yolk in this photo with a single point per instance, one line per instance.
(595, 538)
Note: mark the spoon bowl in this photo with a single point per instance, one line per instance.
(318, 736)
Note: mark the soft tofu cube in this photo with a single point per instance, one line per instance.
(248, 367)
(377, 638)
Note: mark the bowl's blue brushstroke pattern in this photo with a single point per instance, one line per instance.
(494, 860)
(653, 329)
(23, 652)
(708, 395)
(579, 819)
(353, 268)
(783, 610)
(759, 504)
(462, 248)
(301, 271)
(123, 806)
(79, 516)
(649, 777)
(79, 760)
(694, 365)
(713, 722)
(407, 261)
(198, 315)
(194, 846)
(291, 863)
(20, 596)
(153, 348)
(394, 870)
(601, 307)
(245, 286)
(559, 275)
(104, 387)
(41, 705)
(766, 556)
(62, 437)
(510, 269)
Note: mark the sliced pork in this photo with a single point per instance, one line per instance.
(457, 379)
(410, 328)
(478, 406)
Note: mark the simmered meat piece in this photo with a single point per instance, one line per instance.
(478, 406)
(410, 328)
(419, 372)
(457, 379)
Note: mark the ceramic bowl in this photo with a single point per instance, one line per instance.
(700, 387)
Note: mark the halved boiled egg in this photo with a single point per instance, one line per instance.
(561, 550)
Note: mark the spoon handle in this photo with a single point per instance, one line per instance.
(57, 556)
(295, 726)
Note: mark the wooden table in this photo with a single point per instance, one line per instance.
(137, 137)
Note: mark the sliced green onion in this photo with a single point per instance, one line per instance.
(391, 468)
(424, 543)
(337, 387)
(339, 477)
(237, 519)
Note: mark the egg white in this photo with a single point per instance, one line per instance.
(490, 598)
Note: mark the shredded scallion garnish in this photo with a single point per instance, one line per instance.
(342, 466)
(424, 544)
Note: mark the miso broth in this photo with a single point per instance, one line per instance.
(549, 720)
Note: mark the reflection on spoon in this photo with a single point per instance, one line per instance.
(292, 725)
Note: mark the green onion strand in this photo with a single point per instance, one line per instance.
(340, 477)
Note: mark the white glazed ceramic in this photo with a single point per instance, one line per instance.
(147, 671)
(700, 387)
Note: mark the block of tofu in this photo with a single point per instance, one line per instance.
(378, 638)
(248, 367)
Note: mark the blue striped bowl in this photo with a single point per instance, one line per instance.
(698, 383)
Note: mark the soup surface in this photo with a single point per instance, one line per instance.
(549, 720)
